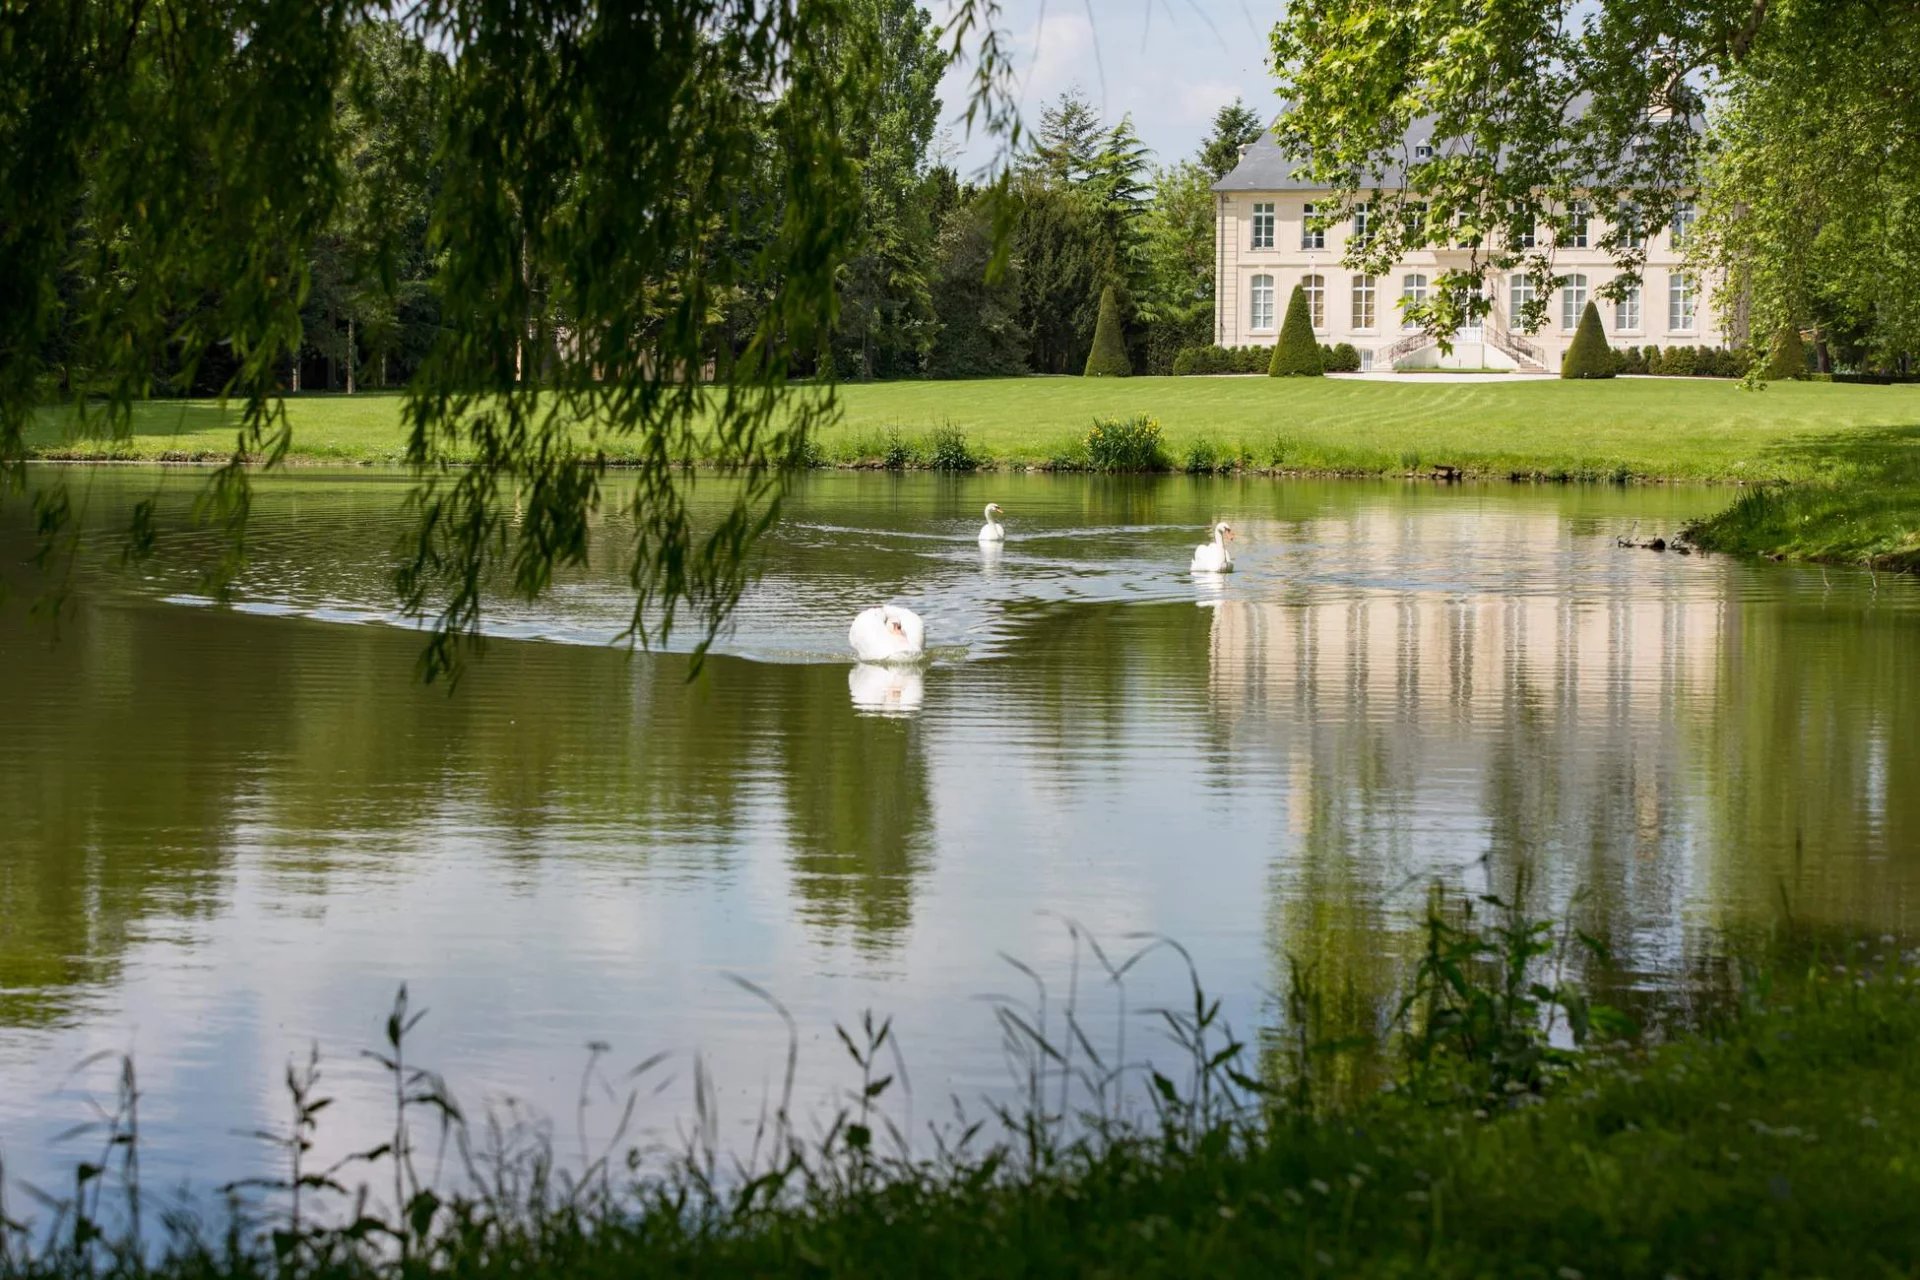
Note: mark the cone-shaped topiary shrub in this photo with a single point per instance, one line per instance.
(1789, 357)
(1589, 356)
(1108, 359)
(1296, 355)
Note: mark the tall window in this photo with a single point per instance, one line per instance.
(1263, 226)
(1260, 315)
(1465, 235)
(1683, 215)
(1632, 234)
(1315, 287)
(1413, 216)
(1573, 300)
(1529, 235)
(1680, 302)
(1363, 302)
(1362, 223)
(1312, 236)
(1626, 311)
(1579, 214)
(1413, 292)
(1520, 296)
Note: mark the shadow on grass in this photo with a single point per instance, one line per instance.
(1865, 510)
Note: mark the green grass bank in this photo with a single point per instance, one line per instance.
(1776, 1138)
(1849, 455)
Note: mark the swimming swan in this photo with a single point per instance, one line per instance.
(1212, 557)
(888, 634)
(991, 530)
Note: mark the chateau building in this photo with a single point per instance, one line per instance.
(1265, 243)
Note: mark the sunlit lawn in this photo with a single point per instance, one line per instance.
(1650, 428)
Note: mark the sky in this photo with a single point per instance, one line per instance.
(1171, 63)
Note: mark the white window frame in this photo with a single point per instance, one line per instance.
(1264, 218)
(1626, 311)
(1520, 292)
(1573, 300)
(1362, 223)
(1579, 224)
(1684, 215)
(1315, 287)
(1311, 237)
(1366, 294)
(1632, 234)
(1683, 303)
(1259, 284)
(1411, 292)
(1422, 151)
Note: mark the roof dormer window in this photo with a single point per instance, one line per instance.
(1423, 151)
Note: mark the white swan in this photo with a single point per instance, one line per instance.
(889, 691)
(1212, 557)
(888, 633)
(991, 531)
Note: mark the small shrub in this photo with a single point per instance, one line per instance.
(950, 451)
(1680, 362)
(1203, 459)
(1409, 459)
(1251, 359)
(1588, 356)
(1125, 444)
(896, 456)
(1656, 360)
(1633, 360)
(1296, 355)
(1188, 361)
(1346, 358)
(1108, 359)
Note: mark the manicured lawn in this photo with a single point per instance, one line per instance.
(1697, 429)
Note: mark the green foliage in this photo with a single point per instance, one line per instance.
(1782, 1129)
(1788, 358)
(1125, 444)
(1343, 357)
(1235, 126)
(1108, 358)
(1297, 354)
(1588, 355)
(949, 451)
(980, 333)
(1204, 458)
(598, 200)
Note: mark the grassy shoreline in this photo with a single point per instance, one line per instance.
(1849, 456)
(1776, 1139)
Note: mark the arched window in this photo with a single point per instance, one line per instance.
(1363, 302)
(1260, 315)
(1413, 292)
(1573, 300)
(1520, 295)
(1681, 301)
(1626, 311)
(1315, 287)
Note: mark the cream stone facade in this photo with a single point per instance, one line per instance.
(1265, 243)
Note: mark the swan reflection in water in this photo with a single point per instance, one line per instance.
(889, 690)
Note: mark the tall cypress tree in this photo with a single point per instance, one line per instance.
(1108, 359)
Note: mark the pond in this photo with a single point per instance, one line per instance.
(230, 832)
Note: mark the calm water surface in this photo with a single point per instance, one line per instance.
(227, 833)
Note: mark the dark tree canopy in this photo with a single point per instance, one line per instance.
(1235, 126)
(612, 180)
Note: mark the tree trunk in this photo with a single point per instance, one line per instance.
(1822, 360)
(350, 355)
(296, 373)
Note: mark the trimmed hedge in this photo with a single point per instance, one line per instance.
(1588, 356)
(1789, 356)
(1108, 359)
(1297, 355)
(1197, 360)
